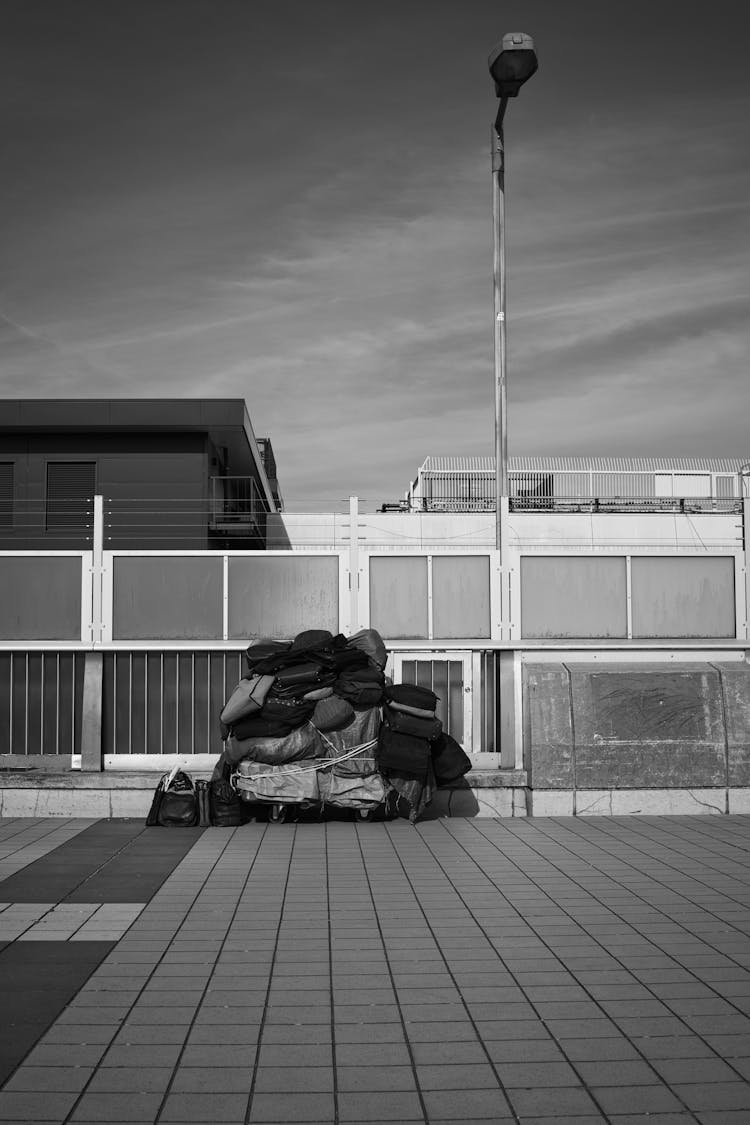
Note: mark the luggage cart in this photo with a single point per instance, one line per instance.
(346, 778)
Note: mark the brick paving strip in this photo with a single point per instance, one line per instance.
(557, 971)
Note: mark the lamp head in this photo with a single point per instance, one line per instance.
(512, 62)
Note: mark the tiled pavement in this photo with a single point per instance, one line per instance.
(552, 971)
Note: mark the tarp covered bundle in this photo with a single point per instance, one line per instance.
(315, 721)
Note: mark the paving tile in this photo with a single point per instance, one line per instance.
(459, 1105)
(400, 1105)
(690, 1070)
(198, 1107)
(107, 1107)
(391, 1077)
(41, 1106)
(293, 1080)
(715, 1096)
(461, 1076)
(426, 1054)
(30, 1079)
(291, 1107)
(552, 1101)
(289, 1056)
(536, 1075)
(636, 1099)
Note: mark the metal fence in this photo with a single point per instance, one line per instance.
(41, 697)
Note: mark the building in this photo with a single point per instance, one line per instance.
(174, 474)
(467, 484)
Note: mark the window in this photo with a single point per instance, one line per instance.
(70, 494)
(6, 494)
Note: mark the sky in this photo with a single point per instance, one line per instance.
(290, 203)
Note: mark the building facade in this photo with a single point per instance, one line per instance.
(174, 474)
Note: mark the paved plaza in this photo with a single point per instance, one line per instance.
(571, 970)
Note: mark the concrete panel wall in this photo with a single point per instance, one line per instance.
(273, 596)
(683, 597)
(40, 598)
(460, 596)
(167, 598)
(566, 596)
(398, 597)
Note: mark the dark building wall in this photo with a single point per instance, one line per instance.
(154, 460)
(155, 488)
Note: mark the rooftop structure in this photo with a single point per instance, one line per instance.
(467, 484)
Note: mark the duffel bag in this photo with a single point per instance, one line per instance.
(413, 724)
(224, 804)
(247, 698)
(449, 760)
(371, 643)
(402, 753)
(300, 744)
(302, 677)
(412, 695)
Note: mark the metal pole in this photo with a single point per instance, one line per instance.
(498, 285)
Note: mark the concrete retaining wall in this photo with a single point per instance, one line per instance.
(636, 737)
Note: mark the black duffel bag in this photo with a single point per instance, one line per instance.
(412, 695)
(224, 803)
(402, 753)
(449, 759)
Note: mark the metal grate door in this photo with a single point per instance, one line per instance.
(449, 676)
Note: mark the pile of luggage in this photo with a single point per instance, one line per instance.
(305, 727)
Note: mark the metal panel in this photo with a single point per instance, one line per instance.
(460, 596)
(398, 596)
(40, 597)
(573, 597)
(170, 597)
(279, 596)
(677, 596)
(691, 484)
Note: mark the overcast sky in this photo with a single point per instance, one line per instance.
(290, 203)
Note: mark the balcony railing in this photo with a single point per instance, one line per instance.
(236, 505)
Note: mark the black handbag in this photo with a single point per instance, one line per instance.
(178, 807)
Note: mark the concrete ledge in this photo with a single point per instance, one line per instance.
(128, 793)
(638, 802)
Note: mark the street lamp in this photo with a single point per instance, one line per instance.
(512, 62)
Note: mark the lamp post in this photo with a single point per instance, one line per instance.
(512, 62)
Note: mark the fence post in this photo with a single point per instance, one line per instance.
(509, 725)
(353, 564)
(97, 560)
(91, 714)
(746, 558)
(93, 666)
